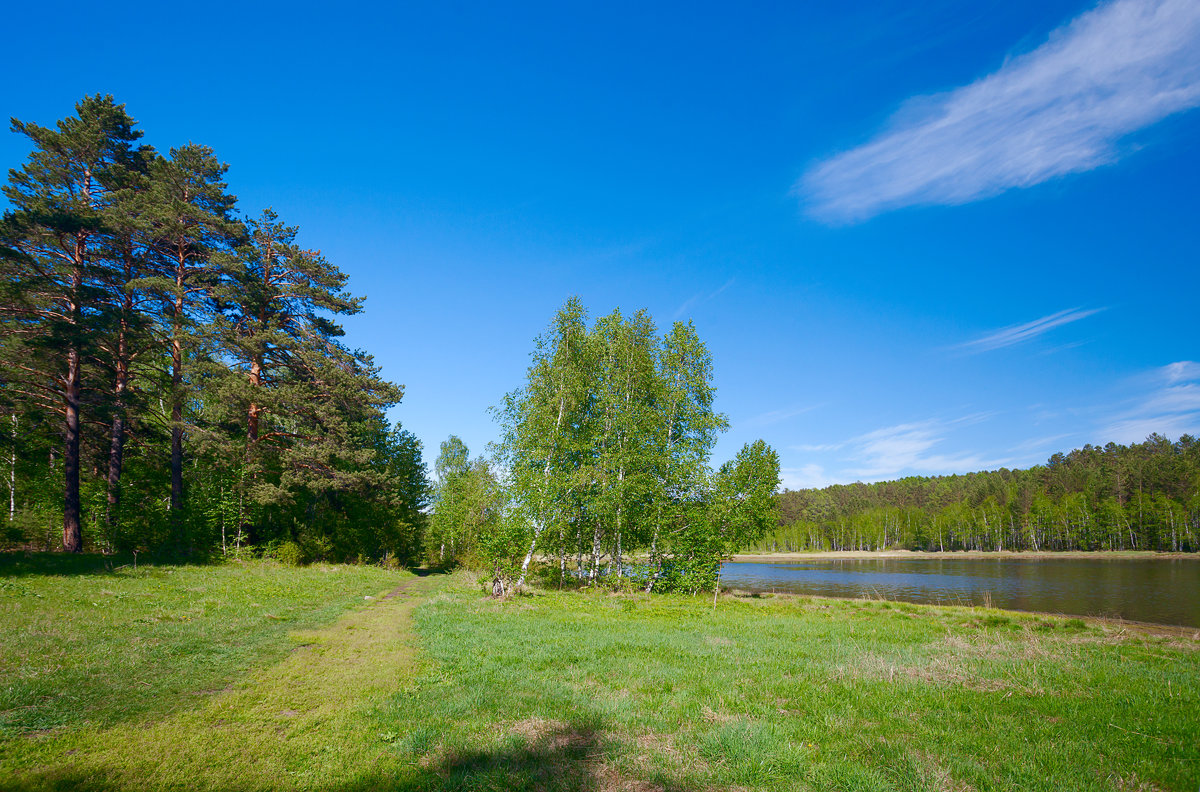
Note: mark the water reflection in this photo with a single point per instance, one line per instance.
(1164, 591)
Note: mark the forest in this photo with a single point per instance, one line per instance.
(171, 370)
(1144, 496)
(175, 382)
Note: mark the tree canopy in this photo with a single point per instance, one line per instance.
(604, 460)
(175, 371)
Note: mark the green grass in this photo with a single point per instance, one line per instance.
(802, 694)
(182, 676)
(83, 644)
(263, 677)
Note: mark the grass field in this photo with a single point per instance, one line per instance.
(263, 677)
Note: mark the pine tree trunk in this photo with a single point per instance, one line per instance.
(116, 452)
(177, 417)
(176, 428)
(12, 473)
(116, 448)
(254, 410)
(72, 529)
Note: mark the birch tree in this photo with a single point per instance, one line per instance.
(545, 427)
(687, 430)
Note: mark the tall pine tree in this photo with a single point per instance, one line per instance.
(55, 266)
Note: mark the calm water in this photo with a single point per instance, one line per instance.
(1161, 591)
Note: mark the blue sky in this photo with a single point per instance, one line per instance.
(918, 238)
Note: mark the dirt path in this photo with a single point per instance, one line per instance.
(401, 590)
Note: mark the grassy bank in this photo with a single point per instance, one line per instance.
(438, 688)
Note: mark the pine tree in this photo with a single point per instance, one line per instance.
(305, 400)
(51, 244)
(128, 248)
(189, 211)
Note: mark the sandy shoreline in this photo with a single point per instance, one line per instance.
(992, 555)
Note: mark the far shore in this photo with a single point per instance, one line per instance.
(994, 555)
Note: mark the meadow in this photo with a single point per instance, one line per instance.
(260, 676)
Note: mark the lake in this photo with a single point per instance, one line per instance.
(1163, 591)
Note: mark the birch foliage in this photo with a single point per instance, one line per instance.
(605, 451)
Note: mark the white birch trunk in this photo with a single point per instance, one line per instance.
(541, 526)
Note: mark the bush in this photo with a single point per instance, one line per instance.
(287, 553)
(688, 575)
(315, 548)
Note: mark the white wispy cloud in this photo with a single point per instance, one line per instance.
(1171, 407)
(699, 299)
(903, 449)
(1015, 334)
(1181, 371)
(1060, 109)
(810, 476)
(909, 448)
(813, 447)
(1039, 445)
(775, 416)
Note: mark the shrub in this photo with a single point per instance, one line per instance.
(288, 554)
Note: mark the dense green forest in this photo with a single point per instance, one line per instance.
(171, 371)
(603, 461)
(1144, 496)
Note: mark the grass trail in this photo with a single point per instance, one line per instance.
(293, 719)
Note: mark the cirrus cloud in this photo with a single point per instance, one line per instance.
(1059, 109)
(1170, 408)
(1015, 334)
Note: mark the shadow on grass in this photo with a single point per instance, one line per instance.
(427, 571)
(21, 563)
(563, 759)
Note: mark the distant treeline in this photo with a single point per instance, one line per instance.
(172, 375)
(1144, 496)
